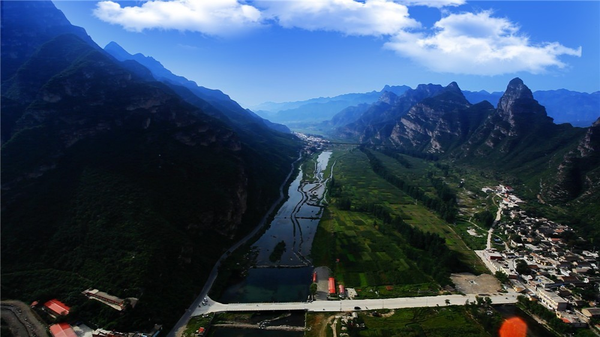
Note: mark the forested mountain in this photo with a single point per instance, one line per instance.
(227, 107)
(113, 180)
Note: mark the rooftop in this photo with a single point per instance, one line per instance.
(62, 330)
(57, 307)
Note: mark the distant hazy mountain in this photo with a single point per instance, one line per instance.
(375, 120)
(319, 109)
(565, 106)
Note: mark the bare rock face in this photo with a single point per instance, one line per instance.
(388, 98)
(590, 144)
(376, 123)
(516, 91)
(577, 174)
(517, 100)
(429, 122)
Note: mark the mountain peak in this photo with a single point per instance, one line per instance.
(518, 98)
(388, 97)
(517, 88)
(396, 89)
(117, 51)
(113, 45)
(453, 86)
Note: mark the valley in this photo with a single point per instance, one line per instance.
(349, 242)
(129, 192)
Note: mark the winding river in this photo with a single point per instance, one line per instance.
(295, 223)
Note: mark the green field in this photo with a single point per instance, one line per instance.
(361, 249)
(365, 258)
(447, 321)
(439, 321)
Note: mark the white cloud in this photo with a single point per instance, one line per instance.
(432, 3)
(210, 17)
(465, 43)
(371, 17)
(479, 44)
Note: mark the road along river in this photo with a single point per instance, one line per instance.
(287, 277)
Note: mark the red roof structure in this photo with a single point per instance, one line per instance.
(331, 285)
(57, 307)
(62, 330)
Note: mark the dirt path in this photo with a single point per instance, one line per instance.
(334, 325)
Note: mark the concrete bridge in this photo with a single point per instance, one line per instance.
(354, 305)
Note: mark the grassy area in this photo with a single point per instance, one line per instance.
(467, 229)
(308, 167)
(447, 321)
(439, 321)
(196, 323)
(355, 237)
(364, 257)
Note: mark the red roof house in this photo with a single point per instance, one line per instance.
(57, 308)
(62, 330)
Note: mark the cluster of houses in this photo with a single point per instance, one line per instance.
(55, 309)
(313, 143)
(540, 264)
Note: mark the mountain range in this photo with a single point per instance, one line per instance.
(565, 106)
(118, 175)
(557, 164)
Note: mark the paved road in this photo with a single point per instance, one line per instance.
(491, 231)
(349, 305)
(178, 329)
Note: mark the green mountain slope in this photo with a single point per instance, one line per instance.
(115, 182)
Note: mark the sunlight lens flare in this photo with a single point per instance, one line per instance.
(513, 327)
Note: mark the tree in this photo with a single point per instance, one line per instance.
(501, 276)
(522, 267)
(313, 290)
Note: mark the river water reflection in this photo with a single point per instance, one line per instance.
(295, 223)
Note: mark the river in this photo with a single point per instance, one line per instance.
(288, 278)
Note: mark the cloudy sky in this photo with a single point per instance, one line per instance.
(286, 50)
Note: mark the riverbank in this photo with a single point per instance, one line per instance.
(179, 327)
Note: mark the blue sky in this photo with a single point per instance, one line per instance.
(287, 50)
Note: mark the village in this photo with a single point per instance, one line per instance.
(541, 259)
(313, 143)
